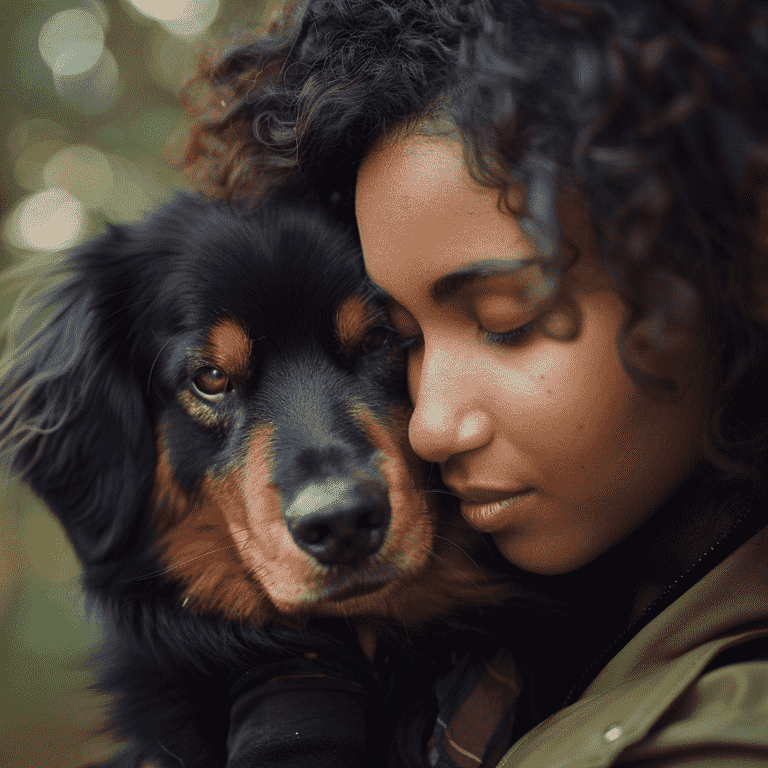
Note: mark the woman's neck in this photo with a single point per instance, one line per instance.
(640, 568)
(612, 596)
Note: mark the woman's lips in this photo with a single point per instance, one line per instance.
(493, 516)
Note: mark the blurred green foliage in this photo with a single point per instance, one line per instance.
(89, 112)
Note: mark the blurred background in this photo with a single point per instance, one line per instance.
(91, 123)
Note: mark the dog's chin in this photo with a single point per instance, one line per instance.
(369, 593)
(354, 590)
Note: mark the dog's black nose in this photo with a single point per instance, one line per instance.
(339, 521)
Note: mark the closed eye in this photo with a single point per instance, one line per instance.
(514, 338)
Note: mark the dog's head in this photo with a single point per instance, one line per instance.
(217, 397)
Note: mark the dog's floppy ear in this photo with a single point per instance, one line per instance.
(73, 421)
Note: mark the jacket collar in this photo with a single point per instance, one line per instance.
(718, 518)
(723, 589)
(729, 599)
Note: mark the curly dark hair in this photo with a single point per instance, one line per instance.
(652, 110)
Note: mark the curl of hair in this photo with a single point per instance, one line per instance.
(653, 111)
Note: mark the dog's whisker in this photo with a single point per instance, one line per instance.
(461, 549)
(404, 622)
(437, 557)
(170, 568)
(429, 476)
(177, 565)
(168, 752)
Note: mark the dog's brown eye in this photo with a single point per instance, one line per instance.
(211, 383)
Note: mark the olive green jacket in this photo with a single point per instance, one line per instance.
(666, 700)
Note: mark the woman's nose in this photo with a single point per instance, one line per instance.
(448, 416)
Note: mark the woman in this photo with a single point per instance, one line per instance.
(560, 204)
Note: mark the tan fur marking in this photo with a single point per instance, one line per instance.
(228, 347)
(200, 549)
(291, 578)
(353, 319)
(198, 410)
(229, 545)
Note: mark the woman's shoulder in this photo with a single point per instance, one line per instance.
(690, 688)
(719, 720)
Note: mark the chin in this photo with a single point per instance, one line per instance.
(541, 557)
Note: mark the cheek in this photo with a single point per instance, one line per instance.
(590, 434)
(562, 404)
(541, 404)
(579, 394)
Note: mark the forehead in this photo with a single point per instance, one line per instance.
(421, 216)
(422, 219)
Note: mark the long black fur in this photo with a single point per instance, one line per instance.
(90, 367)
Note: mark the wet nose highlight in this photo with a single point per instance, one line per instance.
(339, 521)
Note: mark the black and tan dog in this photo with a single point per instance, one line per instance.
(214, 407)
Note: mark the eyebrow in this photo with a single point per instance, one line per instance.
(448, 285)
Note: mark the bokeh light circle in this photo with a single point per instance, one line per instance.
(29, 165)
(71, 42)
(181, 17)
(47, 221)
